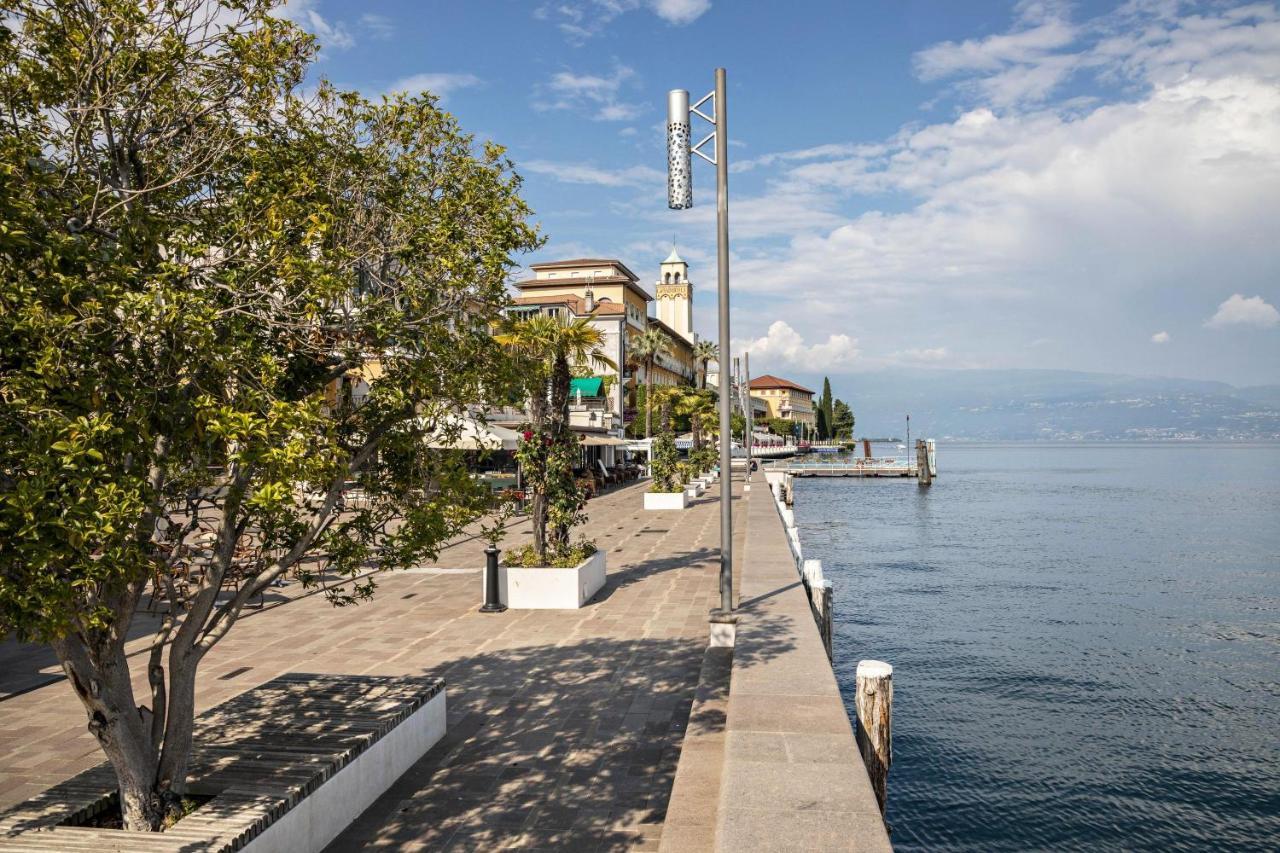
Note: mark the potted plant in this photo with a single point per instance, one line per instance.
(667, 491)
(551, 571)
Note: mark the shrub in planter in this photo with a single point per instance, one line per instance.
(665, 461)
(526, 556)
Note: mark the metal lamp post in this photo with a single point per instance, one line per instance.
(679, 197)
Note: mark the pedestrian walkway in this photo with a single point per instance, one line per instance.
(565, 726)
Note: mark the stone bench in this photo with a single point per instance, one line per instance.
(289, 764)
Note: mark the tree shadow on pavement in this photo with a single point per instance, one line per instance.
(558, 747)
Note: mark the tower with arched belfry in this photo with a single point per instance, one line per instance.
(675, 295)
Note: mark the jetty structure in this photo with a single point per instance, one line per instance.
(922, 466)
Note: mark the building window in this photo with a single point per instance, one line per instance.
(667, 278)
(677, 278)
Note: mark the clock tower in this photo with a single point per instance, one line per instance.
(675, 295)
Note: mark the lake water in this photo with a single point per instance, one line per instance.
(1085, 640)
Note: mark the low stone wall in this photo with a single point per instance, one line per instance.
(289, 763)
(792, 777)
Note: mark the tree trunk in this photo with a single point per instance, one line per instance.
(98, 672)
(561, 378)
(648, 399)
(538, 478)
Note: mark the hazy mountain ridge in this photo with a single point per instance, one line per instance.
(1057, 405)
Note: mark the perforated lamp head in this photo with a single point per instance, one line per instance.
(679, 162)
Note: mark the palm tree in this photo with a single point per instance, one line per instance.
(543, 350)
(701, 408)
(704, 352)
(647, 346)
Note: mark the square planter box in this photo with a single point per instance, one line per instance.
(291, 790)
(665, 500)
(694, 489)
(549, 588)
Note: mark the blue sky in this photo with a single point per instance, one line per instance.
(915, 184)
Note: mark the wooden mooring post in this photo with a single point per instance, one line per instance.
(924, 475)
(874, 701)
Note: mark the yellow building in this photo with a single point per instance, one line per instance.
(610, 294)
(785, 399)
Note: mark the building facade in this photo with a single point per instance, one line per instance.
(607, 293)
(785, 399)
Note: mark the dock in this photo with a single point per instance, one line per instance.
(857, 468)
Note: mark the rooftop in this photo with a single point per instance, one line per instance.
(771, 381)
(585, 262)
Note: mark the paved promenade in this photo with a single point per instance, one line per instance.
(565, 726)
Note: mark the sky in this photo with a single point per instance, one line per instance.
(1037, 184)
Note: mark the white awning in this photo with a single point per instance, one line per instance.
(462, 433)
(592, 440)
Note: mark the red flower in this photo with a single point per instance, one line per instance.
(528, 434)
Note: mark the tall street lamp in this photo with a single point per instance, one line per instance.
(679, 197)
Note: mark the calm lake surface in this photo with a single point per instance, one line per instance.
(1085, 640)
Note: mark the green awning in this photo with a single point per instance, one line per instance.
(589, 386)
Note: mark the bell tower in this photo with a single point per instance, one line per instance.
(675, 295)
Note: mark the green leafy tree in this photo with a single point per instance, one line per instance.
(704, 352)
(193, 258)
(843, 421)
(646, 347)
(826, 412)
(782, 426)
(666, 457)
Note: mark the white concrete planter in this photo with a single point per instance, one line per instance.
(324, 813)
(694, 489)
(665, 500)
(551, 588)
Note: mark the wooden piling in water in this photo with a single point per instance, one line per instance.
(924, 475)
(874, 701)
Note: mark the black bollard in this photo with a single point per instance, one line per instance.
(491, 602)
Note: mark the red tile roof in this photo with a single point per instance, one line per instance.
(770, 381)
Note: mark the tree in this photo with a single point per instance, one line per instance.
(665, 456)
(700, 407)
(843, 421)
(820, 426)
(192, 258)
(782, 426)
(826, 415)
(704, 352)
(647, 346)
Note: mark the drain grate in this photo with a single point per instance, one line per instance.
(240, 670)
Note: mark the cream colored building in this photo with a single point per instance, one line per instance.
(609, 293)
(785, 399)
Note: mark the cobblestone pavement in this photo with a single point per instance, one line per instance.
(564, 726)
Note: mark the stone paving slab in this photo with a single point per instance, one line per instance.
(565, 727)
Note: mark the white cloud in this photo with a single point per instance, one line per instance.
(580, 20)
(1239, 311)
(575, 173)
(597, 96)
(931, 355)
(440, 84)
(379, 26)
(1160, 338)
(784, 346)
(679, 12)
(303, 13)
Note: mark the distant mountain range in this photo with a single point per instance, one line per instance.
(1056, 405)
